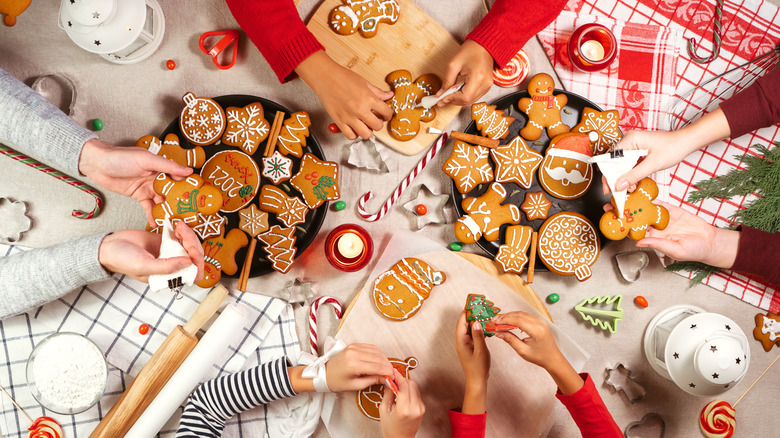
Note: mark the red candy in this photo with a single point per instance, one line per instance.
(421, 209)
(640, 301)
(334, 128)
(171, 64)
(143, 329)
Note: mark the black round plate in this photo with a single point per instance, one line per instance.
(589, 205)
(305, 232)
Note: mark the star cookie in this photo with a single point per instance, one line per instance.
(317, 180)
(535, 205)
(516, 162)
(468, 166)
(603, 123)
(277, 167)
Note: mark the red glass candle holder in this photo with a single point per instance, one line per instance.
(348, 263)
(592, 47)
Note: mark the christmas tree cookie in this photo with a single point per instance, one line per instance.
(480, 309)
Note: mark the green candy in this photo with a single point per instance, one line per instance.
(97, 124)
(339, 205)
(456, 246)
(553, 298)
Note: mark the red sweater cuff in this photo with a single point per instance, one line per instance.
(757, 106)
(589, 412)
(293, 53)
(751, 259)
(467, 426)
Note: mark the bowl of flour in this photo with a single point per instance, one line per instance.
(67, 373)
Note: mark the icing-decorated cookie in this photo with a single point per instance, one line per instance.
(220, 256)
(185, 199)
(543, 108)
(292, 137)
(480, 309)
(511, 255)
(485, 215)
(604, 124)
(363, 16)
(253, 221)
(566, 172)
(317, 180)
(209, 226)
(202, 120)
(569, 244)
(491, 123)
(535, 205)
(468, 165)
(279, 247)
(516, 162)
(400, 291)
(277, 167)
(236, 176)
(718, 420)
(767, 330)
(246, 127)
(369, 399)
(405, 123)
(639, 213)
(172, 150)
(289, 210)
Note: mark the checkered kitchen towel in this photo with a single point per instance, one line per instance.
(750, 28)
(109, 313)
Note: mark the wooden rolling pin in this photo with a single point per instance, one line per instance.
(161, 366)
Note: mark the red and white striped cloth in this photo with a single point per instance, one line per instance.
(750, 28)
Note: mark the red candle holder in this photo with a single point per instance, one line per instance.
(592, 47)
(343, 262)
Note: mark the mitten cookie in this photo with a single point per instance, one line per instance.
(511, 255)
(292, 137)
(485, 215)
(400, 291)
(405, 124)
(220, 256)
(639, 213)
(172, 150)
(185, 199)
(569, 244)
(236, 175)
(543, 108)
(468, 166)
(363, 16)
(604, 124)
(280, 247)
(289, 210)
(369, 399)
(202, 120)
(767, 330)
(516, 162)
(317, 180)
(566, 171)
(491, 123)
(246, 127)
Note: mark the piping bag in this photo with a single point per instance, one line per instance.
(613, 165)
(170, 247)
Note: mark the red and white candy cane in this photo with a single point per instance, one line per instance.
(313, 319)
(24, 159)
(401, 187)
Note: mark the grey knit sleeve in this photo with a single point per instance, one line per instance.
(33, 126)
(38, 276)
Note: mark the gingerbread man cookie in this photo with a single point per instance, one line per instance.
(220, 256)
(767, 330)
(491, 123)
(400, 291)
(369, 399)
(468, 166)
(405, 124)
(185, 199)
(604, 124)
(543, 108)
(485, 215)
(639, 213)
(363, 16)
(516, 162)
(202, 120)
(292, 137)
(317, 180)
(172, 150)
(280, 247)
(246, 127)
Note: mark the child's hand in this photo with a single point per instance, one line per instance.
(401, 415)
(356, 367)
(472, 351)
(539, 347)
(474, 63)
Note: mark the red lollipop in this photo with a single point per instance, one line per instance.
(514, 72)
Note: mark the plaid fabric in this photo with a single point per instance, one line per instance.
(750, 29)
(109, 313)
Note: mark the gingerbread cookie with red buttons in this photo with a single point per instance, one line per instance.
(639, 213)
(185, 199)
(543, 108)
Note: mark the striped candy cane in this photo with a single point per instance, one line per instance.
(717, 28)
(401, 187)
(24, 159)
(313, 319)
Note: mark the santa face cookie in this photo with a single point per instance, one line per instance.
(172, 150)
(511, 255)
(468, 166)
(202, 120)
(400, 291)
(185, 199)
(569, 244)
(516, 162)
(604, 124)
(543, 108)
(767, 330)
(220, 256)
(369, 399)
(289, 210)
(566, 172)
(292, 137)
(485, 215)
(317, 180)
(405, 123)
(236, 175)
(246, 127)
(279, 247)
(363, 16)
(639, 213)
(491, 123)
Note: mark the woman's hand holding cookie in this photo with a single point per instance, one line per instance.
(401, 414)
(473, 62)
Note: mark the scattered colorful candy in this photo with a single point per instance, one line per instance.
(339, 205)
(171, 64)
(553, 298)
(640, 301)
(143, 329)
(456, 246)
(334, 128)
(718, 419)
(97, 124)
(421, 209)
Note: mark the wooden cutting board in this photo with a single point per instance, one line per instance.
(415, 43)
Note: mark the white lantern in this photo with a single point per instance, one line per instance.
(121, 31)
(705, 354)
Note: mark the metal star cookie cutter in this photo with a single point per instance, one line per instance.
(54, 88)
(298, 291)
(619, 377)
(13, 220)
(436, 204)
(646, 427)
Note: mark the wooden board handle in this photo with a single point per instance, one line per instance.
(206, 309)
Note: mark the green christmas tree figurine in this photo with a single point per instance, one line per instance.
(480, 309)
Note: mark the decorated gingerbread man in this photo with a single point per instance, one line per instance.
(185, 199)
(543, 108)
(172, 150)
(405, 124)
(485, 215)
(363, 16)
(639, 213)
(220, 256)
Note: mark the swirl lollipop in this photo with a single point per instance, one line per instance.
(45, 427)
(514, 72)
(718, 420)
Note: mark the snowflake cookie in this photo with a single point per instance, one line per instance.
(253, 221)
(468, 166)
(277, 167)
(535, 205)
(604, 124)
(209, 225)
(516, 162)
(246, 127)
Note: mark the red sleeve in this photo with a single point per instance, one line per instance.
(278, 32)
(588, 411)
(467, 426)
(511, 23)
(757, 106)
(752, 259)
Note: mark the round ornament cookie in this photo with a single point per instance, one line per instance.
(202, 120)
(569, 244)
(236, 175)
(400, 291)
(369, 399)
(566, 172)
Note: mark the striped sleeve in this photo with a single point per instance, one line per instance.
(215, 401)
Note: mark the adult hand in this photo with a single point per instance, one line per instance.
(355, 105)
(356, 367)
(135, 252)
(475, 64)
(401, 415)
(688, 237)
(129, 171)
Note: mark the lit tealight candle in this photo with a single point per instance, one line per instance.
(350, 245)
(593, 50)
